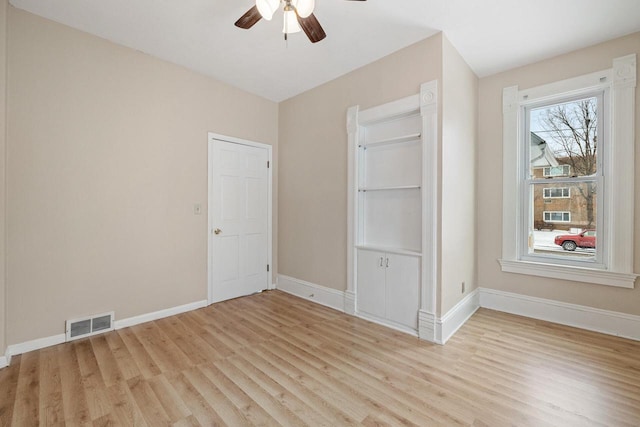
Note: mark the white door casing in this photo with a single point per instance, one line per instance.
(239, 255)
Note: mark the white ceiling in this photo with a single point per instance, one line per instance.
(492, 35)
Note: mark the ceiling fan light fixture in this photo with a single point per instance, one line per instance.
(290, 22)
(267, 8)
(304, 7)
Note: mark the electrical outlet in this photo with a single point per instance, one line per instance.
(463, 287)
(197, 209)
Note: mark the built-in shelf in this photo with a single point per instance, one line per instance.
(394, 140)
(398, 187)
(398, 251)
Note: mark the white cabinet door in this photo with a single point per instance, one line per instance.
(371, 287)
(403, 289)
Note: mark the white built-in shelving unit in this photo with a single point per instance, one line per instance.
(391, 191)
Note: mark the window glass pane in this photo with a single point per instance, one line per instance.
(557, 224)
(564, 139)
(556, 192)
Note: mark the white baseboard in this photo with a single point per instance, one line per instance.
(449, 324)
(148, 317)
(39, 343)
(579, 316)
(36, 344)
(350, 302)
(312, 292)
(426, 326)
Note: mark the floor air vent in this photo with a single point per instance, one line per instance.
(88, 326)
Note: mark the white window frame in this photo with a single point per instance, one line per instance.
(601, 93)
(564, 167)
(615, 235)
(549, 196)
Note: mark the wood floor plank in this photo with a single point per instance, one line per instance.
(51, 405)
(385, 400)
(291, 394)
(223, 334)
(274, 359)
(164, 352)
(8, 386)
(282, 414)
(74, 400)
(169, 399)
(26, 409)
(197, 403)
(197, 350)
(360, 354)
(125, 409)
(107, 420)
(350, 389)
(250, 409)
(146, 365)
(106, 361)
(94, 387)
(125, 361)
(190, 421)
(218, 349)
(152, 410)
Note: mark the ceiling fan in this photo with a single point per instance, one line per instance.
(298, 16)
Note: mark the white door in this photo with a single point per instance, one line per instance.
(239, 220)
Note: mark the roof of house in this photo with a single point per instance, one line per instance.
(540, 155)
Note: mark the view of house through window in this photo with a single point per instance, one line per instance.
(563, 178)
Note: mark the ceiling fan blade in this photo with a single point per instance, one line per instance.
(312, 28)
(249, 19)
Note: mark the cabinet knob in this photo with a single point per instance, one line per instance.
(217, 231)
(381, 261)
(387, 262)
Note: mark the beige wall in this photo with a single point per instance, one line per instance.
(458, 175)
(107, 153)
(313, 159)
(3, 147)
(587, 60)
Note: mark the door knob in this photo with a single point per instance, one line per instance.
(217, 231)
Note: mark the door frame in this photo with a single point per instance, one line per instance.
(211, 138)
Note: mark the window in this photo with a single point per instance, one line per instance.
(556, 193)
(562, 170)
(561, 142)
(555, 216)
(567, 133)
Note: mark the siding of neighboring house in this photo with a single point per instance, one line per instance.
(575, 204)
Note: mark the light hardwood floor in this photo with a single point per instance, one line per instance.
(273, 359)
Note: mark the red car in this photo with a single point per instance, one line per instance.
(569, 242)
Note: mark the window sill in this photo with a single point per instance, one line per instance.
(576, 274)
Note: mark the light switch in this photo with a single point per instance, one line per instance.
(197, 209)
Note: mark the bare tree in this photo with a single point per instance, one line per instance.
(572, 130)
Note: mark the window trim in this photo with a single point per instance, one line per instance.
(616, 268)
